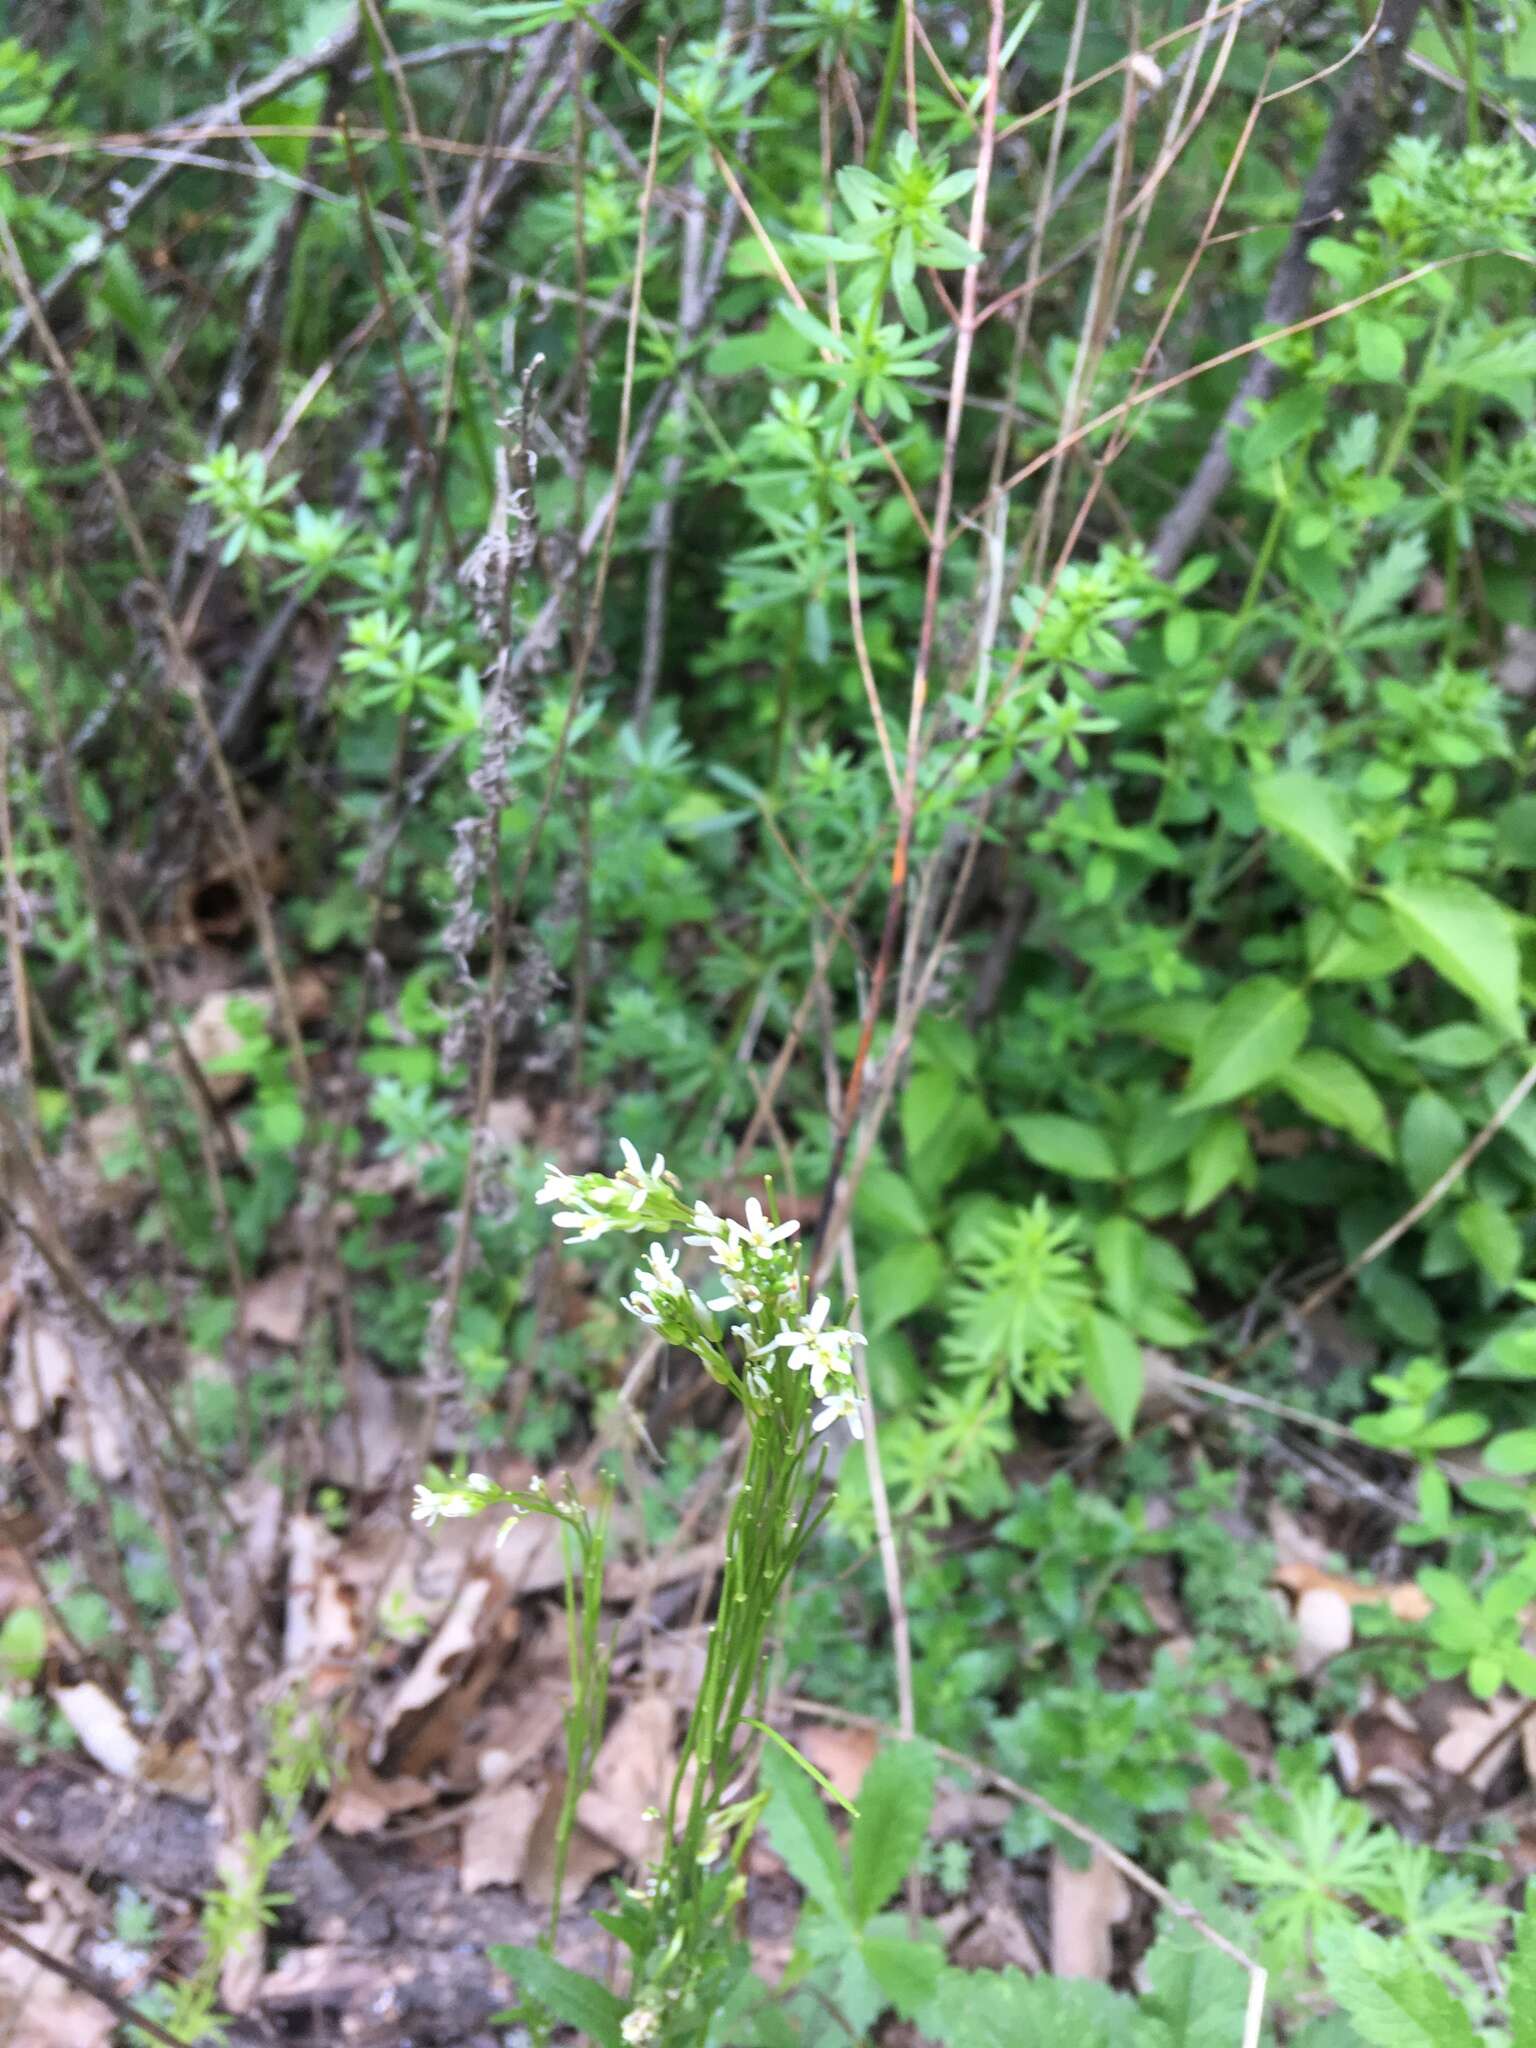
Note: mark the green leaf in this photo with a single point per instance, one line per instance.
(1333, 1089)
(1392, 2000)
(1522, 1976)
(1309, 811)
(1004, 2009)
(1176, 1025)
(895, 1804)
(1455, 1046)
(1468, 938)
(1120, 1252)
(1386, 582)
(906, 1971)
(1493, 1238)
(1365, 948)
(1220, 1155)
(1383, 356)
(1429, 1138)
(1513, 1453)
(574, 2000)
(928, 1101)
(896, 1286)
(798, 1828)
(1196, 1997)
(1257, 1029)
(23, 1644)
(1112, 1370)
(1065, 1145)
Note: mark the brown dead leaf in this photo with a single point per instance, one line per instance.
(366, 1801)
(496, 1836)
(1482, 1736)
(365, 1443)
(506, 1738)
(1085, 1905)
(842, 1754)
(457, 1635)
(1376, 1753)
(999, 1940)
(38, 2009)
(275, 1307)
(630, 1776)
(1405, 1601)
(102, 1728)
(180, 1768)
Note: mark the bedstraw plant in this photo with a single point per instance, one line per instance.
(791, 1368)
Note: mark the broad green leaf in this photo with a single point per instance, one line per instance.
(1455, 1046)
(1220, 1155)
(1196, 1997)
(1005, 2009)
(1333, 1089)
(1366, 946)
(23, 1644)
(1393, 2001)
(1429, 1138)
(1468, 938)
(798, 1828)
(1113, 1371)
(1065, 1145)
(1310, 812)
(1257, 1029)
(895, 1803)
(1158, 1139)
(1493, 1238)
(896, 1286)
(1383, 355)
(1513, 1454)
(888, 1205)
(1120, 1251)
(575, 2000)
(906, 1971)
(927, 1103)
(1176, 1025)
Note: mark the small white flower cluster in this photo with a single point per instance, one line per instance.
(759, 1280)
(747, 1255)
(641, 2024)
(450, 1503)
(596, 1203)
(664, 1302)
(825, 1352)
(755, 1271)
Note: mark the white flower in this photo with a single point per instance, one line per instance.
(841, 1405)
(558, 1186)
(640, 2025)
(758, 1232)
(815, 1348)
(642, 1184)
(451, 1505)
(585, 1224)
(660, 1292)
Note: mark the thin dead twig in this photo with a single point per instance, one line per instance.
(1344, 153)
(276, 82)
(907, 809)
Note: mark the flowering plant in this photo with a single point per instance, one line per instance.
(791, 1369)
